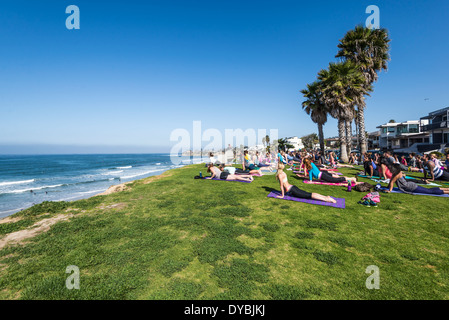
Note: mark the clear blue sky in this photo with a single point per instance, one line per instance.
(136, 70)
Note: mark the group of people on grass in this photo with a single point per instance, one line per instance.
(316, 165)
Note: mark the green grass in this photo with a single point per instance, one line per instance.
(181, 238)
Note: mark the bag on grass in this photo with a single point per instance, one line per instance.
(364, 187)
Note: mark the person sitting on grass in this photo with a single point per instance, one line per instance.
(403, 161)
(370, 167)
(435, 160)
(435, 172)
(247, 164)
(216, 173)
(408, 186)
(314, 172)
(294, 190)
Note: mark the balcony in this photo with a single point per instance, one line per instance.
(434, 126)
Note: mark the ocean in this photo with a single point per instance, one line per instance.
(26, 180)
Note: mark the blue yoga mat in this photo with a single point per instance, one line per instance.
(396, 190)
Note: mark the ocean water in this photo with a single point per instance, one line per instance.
(26, 180)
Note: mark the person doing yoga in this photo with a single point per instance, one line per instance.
(294, 190)
(314, 172)
(435, 172)
(408, 186)
(234, 170)
(224, 175)
(370, 167)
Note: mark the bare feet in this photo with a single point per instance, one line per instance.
(330, 199)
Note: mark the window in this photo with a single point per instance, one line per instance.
(413, 128)
(391, 129)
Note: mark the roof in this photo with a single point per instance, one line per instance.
(436, 113)
(395, 124)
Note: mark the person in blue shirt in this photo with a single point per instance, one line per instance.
(314, 172)
(281, 158)
(370, 167)
(447, 162)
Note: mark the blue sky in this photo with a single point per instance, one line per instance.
(136, 70)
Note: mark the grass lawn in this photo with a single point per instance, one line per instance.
(174, 237)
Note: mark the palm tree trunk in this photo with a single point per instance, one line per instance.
(342, 137)
(348, 136)
(321, 137)
(361, 125)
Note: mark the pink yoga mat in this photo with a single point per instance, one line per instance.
(337, 173)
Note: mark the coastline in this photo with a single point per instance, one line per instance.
(93, 193)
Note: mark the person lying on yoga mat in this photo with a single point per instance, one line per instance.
(408, 186)
(259, 161)
(292, 158)
(414, 163)
(234, 170)
(294, 190)
(216, 173)
(333, 159)
(314, 172)
(247, 164)
(435, 172)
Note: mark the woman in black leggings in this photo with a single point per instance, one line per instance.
(314, 172)
(295, 191)
(407, 186)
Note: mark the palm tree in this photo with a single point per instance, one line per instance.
(369, 50)
(315, 107)
(343, 88)
(267, 141)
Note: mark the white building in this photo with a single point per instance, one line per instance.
(399, 135)
(295, 142)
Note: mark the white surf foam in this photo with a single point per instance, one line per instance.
(8, 183)
(33, 189)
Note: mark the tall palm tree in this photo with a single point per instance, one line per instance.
(342, 88)
(315, 107)
(369, 50)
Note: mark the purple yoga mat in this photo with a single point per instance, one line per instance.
(208, 178)
(340, 201)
